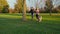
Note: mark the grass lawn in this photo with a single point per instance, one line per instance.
(13, 24)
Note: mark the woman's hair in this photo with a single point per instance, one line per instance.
(37, 8)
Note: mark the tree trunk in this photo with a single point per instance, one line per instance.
(50, 12)
(24, 10)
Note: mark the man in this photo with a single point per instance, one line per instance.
(32, 12)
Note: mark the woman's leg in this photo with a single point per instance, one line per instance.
(38, 18)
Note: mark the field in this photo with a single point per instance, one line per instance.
(13, 24)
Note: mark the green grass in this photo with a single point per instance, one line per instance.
(13, 24)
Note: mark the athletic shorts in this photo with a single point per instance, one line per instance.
(37, 16)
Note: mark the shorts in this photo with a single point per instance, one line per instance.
(37, 16)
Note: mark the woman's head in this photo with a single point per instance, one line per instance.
(37, 8)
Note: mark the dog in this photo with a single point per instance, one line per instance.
(40, 19)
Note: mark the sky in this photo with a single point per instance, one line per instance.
(11, 3)
(32, 3)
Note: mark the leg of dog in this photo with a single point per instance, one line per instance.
(40, 18)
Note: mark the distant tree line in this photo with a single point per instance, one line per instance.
(4, 7)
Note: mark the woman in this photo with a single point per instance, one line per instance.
(37, 15)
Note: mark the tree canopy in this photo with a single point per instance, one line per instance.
(2, 4)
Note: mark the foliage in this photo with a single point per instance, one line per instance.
(18, 6)
(58, 9)
(5, 9)
(2, 4)
(49, 4)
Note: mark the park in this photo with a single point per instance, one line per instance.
(18, 20)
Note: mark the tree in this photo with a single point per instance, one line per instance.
(58, 9)
(5, 9)
(21, 6)
(2, 4)
(18, 6)
(49, 5)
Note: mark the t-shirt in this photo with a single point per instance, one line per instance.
(37, 12)
(31, 11)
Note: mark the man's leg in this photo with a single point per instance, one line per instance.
(32, 16)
